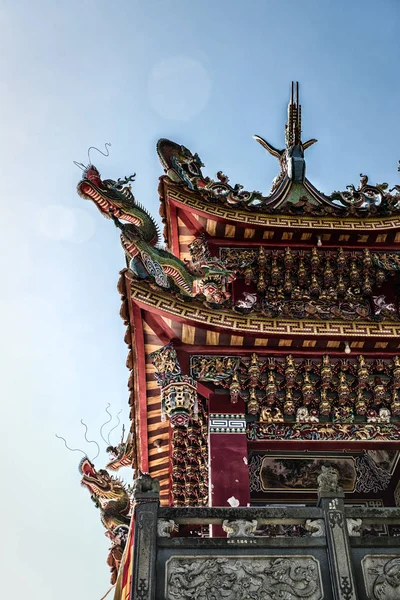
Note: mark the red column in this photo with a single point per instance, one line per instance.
(229, 475)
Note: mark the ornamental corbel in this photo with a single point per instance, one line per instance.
(178, 391)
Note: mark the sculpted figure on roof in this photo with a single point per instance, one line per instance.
(291, 191)
(206, 277)
(291, 158)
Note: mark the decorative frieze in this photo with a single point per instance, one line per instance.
(381, 576)
(199, 314)
(339, 268)
(219, 577)
(356, 432)
(318, 283)
(223, 423)
(307, 390)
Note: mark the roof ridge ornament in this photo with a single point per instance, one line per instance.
(183, 167)
(291, 158)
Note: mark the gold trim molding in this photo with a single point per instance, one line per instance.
(256, 325)
(282, 221)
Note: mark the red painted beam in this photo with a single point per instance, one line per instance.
(284, 351)
(173, 223)
(227, 243)
(192, 224)
(160, 328)
(140, 386)
(219, 219)
(180, 319)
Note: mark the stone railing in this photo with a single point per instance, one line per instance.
(318, 552)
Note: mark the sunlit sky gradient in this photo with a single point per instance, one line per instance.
(206, 74)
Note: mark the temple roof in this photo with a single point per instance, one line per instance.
(155, 318)
(291, 192)
(254, 329)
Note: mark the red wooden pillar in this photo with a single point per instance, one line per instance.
(229, 475)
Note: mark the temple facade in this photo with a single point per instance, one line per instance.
(263, 336)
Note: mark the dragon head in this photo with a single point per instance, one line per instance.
(108, 195)
(114, 199)
(91, 173)
(99, 483)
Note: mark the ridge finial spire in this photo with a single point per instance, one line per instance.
(291, 158)
(293, 125)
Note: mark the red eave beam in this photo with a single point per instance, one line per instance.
(160, 328)
(140, 385)
(192, 224)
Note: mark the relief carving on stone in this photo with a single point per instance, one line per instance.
(328, 480)
(239, 528)
(316, 527)
(165, 527)
(382, 576)
(354, 527)
(243, 578)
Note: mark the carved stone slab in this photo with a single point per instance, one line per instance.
(382, 576)
(243, 578)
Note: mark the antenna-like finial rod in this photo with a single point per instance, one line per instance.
(293, 127)
(294, 149)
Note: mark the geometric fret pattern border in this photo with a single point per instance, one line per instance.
(256, 325)
(223, 423)
(275, 220)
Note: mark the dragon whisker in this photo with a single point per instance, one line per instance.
(91, 441)
(106, 154)
(106, 423)
(67, 447)
(115, 426)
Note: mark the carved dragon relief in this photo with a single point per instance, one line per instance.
(243, 578)
(382, 576)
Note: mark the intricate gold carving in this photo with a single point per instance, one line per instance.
(357, 387)
(196, 313)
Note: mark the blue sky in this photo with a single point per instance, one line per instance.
(208, 75)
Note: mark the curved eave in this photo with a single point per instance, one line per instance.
(178, 196)
(198, 315)
(130, 342)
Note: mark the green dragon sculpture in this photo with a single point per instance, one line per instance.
(139, 237)
(162, 265)
(108, 493)
(116, 196)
